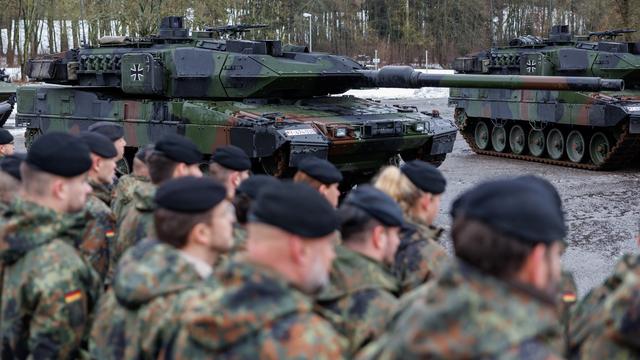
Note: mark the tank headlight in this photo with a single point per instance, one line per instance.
(419, 127)
(341, 132)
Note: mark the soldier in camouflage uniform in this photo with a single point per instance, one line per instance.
(246, 194)
(497, 299)
(173, 156)
(115, 133)
(230, 165)
(99, 231)
(321, 175)
(595, 325)
(48, 289)
(260, 307)
(123, 191)
(6, 143)
(193, 226)
(417, 187)
(363, 291)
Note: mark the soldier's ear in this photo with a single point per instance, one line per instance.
(298, 252)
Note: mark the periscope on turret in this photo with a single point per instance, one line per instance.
(277, 102)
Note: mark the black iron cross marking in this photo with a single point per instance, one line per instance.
(531, 66)
(137, 72)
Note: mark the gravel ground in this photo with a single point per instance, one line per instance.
(601, 207)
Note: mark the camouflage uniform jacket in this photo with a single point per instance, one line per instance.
(48, 289)
(362, 292)
(239, 237)
(133, 317)
(251, 312)
(419, 257)
(468, 315)
(136, 224)
(604, 324)
(123, 194)
(98, 231)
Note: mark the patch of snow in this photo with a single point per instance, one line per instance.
(400, 93)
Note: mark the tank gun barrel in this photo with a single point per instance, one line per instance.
(407, 77)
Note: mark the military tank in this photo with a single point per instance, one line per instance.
(583, 129)
(274, 101)
(7, 96)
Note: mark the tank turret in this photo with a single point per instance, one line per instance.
(174, 64)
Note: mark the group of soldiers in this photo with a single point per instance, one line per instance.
(172, 262)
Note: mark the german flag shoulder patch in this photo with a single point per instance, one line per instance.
(569, 297)
(72, 296)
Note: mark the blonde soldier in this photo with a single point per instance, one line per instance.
(417, 187)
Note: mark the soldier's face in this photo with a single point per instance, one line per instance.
(331, 193)
(320, 255)
(73, 193)
(7, 149)
(392, 241)
(106, 170)
(433, 209)
(120, 145)
(222, 227)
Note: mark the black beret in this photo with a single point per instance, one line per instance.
(190, 194)
(143, 152)
(252, 186)
(60, 154)
(179, 148)
(109, 129)
(296, 208)
(99, 144)
(424, 176)
(232, 157)
(320, 169)
(527, 208)
(11, 164)
(5, 137)
(377, 204)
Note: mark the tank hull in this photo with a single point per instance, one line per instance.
(357, 135)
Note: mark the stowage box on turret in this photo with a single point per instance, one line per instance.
(584, 129)
(273, 101)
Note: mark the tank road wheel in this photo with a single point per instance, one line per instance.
(517, 140)
(481, 135)
(576, 146)
(536, 142)
(599, 148)
(499, 138)
(555, 144)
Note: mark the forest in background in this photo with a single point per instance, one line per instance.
(400, 30)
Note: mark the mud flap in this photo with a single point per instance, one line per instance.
(634, 125)
(443, 144)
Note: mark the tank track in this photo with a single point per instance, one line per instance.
(624, 151)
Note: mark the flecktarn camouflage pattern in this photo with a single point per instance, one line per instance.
(271, 100)
(134, 318)
(585, 129)
(48, 290)
(420, 258)
(362, 294)
(468, 315)
(248, 310)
